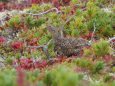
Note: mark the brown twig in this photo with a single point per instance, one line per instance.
(110, 40)
(92, 36)
(45, 49)
(42, 13)
(62, 26)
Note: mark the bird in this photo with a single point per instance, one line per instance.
(66, 46)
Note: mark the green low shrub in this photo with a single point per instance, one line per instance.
(101, 48)
(62, 76)
(98, 67)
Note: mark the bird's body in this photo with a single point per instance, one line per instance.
(67, 46)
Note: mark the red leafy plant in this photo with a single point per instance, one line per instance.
(29, 64)
(17, 45)
(108, 58)
(40, 64)
(34, 42)
(25, 63)
(2, 40)
(20, 78)
(1, 28)
(88, 36)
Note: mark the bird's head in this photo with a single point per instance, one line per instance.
(52, 29)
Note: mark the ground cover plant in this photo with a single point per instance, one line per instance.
(27, 48)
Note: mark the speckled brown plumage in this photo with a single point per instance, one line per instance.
(66, 46)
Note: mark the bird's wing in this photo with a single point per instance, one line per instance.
(78, 42)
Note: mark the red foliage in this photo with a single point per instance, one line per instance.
(108, 59)
(55, 3)
(29, 64)
(88, 36)
(72, 11)
(6, 6)
(35, 1)
(40, 64)
(45, 0)
(17, 45)
(34, 42)
(20, 78)
(62, 59)
(2, 6)
(65, 2)
(113, 40)
(26, 63)
(2, 40)
(1, 28)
